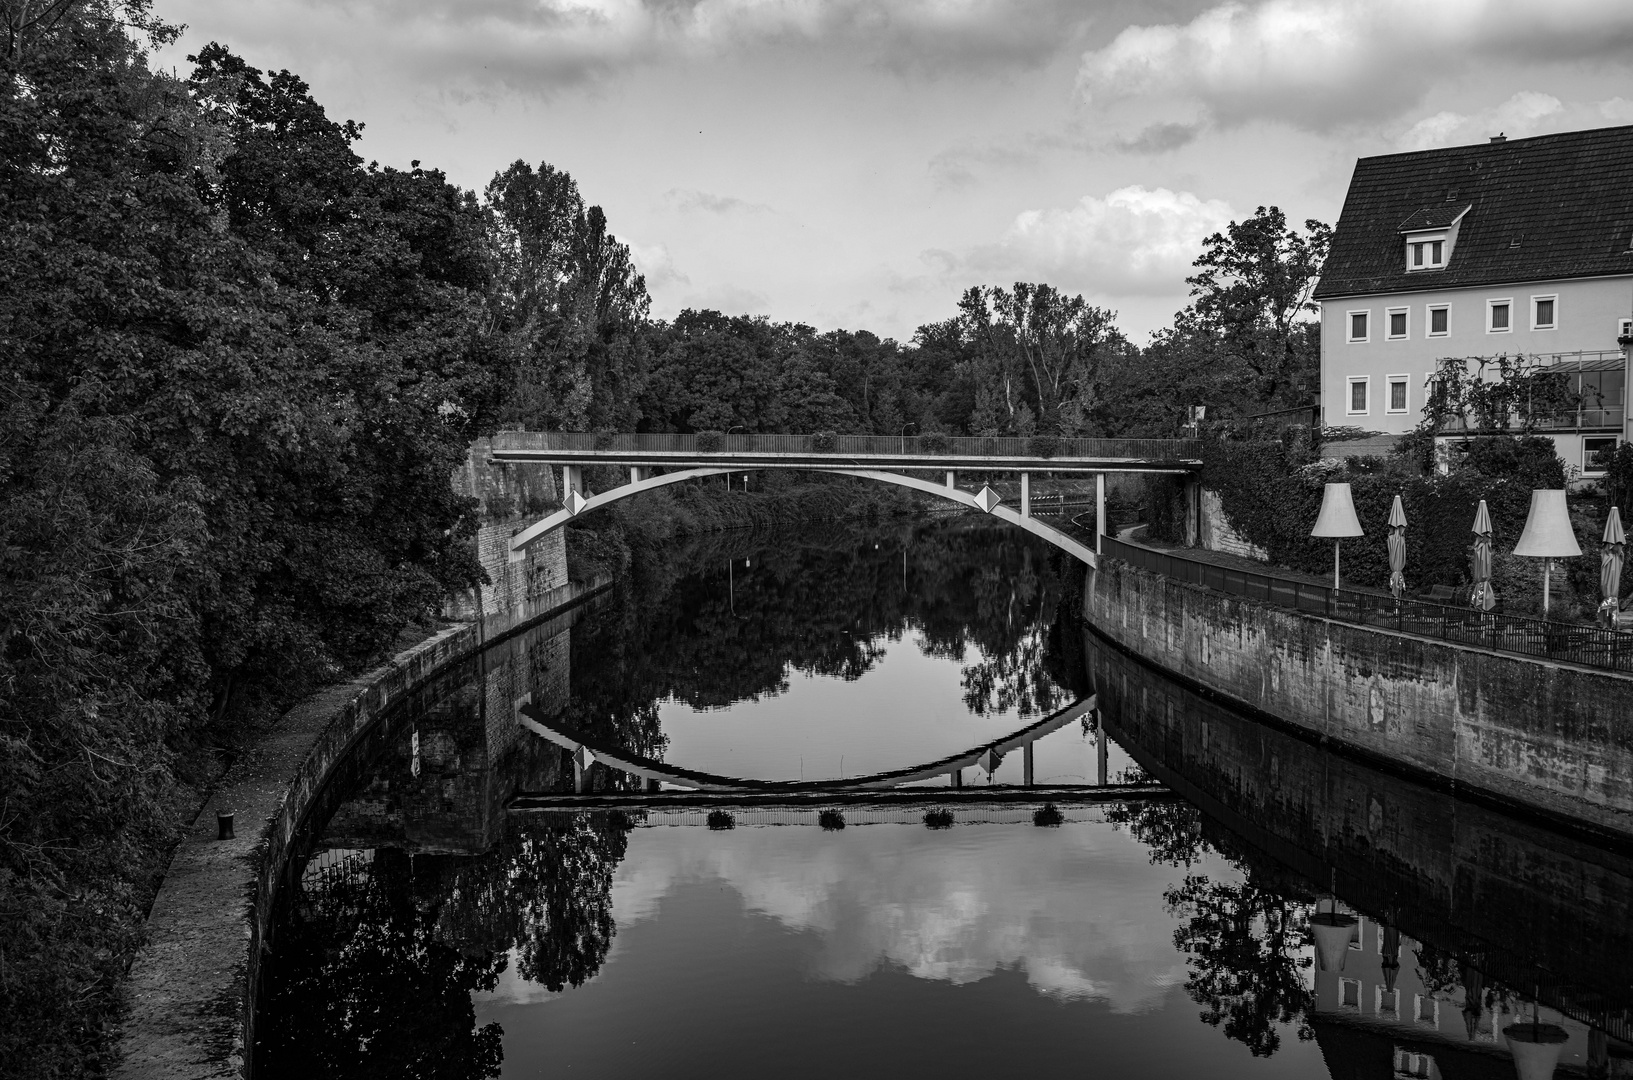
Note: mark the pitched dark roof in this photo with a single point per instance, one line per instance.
(1553, 206)
(1434, 217)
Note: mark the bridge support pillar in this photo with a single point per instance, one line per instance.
(572, 479)
(652, 784)
(1100, 749)
(1026, 494)
(637, 473)
(952, 479)
(1026, 765)
(1099, 509)
(957, 777)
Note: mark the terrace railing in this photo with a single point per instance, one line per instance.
(863, 445)
(1593, 646)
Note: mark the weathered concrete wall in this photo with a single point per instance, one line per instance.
(1538, 908)
(1217, 533)
(512, 496)
(1552, 737)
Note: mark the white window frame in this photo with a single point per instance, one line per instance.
(1624, 327)
(1494, 303)
(1588, 468)
(1349, 326)
(1433, 1019)
(1429, 320)
(1551, 326)
(1389, 398)
(1349, 994)
(1394, 1010)
(1428, 240)
(1389, 329)
(1349, 395)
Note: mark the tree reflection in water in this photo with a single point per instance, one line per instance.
(376, 967)
(1243, 940)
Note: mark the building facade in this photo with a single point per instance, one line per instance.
(1517, 247)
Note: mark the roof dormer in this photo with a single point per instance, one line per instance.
(1430, 234)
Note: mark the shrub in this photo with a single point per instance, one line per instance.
(719, 819)
(604, 439)
(831, 820)
(1044, 446)
(938, 819)
(825, 441)
(934, 442)
(709, 442)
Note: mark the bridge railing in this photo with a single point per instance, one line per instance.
(1593, 646)
(859, 445)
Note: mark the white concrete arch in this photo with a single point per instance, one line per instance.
(985, 501)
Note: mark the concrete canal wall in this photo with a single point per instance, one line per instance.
(193, 986)
(1552, 738)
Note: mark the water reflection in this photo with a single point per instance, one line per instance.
(428, 929)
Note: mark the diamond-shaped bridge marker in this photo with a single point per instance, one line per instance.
(988, 499)
(575, 502)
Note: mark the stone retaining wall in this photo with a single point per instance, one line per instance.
(1554, 738)
(193, 985)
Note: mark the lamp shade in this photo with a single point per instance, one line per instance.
(1337, 517)
(1547, 533)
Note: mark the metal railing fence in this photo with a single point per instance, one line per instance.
(860, 445)
(1593, 646)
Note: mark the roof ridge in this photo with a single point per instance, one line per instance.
(1506, 143)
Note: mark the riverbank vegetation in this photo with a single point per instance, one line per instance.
(240, 363)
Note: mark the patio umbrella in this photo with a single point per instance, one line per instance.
(1610, 565)
(1482, 598)
(1397, 548)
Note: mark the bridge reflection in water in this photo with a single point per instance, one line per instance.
(424, 887)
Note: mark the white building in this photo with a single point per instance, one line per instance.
(1521, 246)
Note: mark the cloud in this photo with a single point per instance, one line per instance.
(1159, 138)
(729, 299)
(900, 896)
(1528, 112)
(542, 44)
(686, 199)
(656, 265)
(1313, 63)
(1133, 241)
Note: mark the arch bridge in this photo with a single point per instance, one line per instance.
(886, 459)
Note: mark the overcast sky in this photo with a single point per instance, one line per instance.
(858, 163)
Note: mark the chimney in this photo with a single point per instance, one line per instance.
(1499, 137)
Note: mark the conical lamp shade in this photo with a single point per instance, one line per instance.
(1337, 517)
(1548, 533)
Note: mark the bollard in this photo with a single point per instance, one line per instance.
(223, 824)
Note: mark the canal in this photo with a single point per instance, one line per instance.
(1274, 910)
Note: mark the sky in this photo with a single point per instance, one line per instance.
(858, 164)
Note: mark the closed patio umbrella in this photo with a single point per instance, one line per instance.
(1482, 598)
(1397, 549)
(1610, 566)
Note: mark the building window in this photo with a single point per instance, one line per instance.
(1349, 993)
(1439, 319)
(1410, 1065)
(1425, 253)
(1624, 328)
(1386, 1004)
(1426, 1009)
(1544, 312)
(1591, 446)
(1499, 316)
(1396, 402)
(1397, 323)
(1358, 392)
(1358, 325)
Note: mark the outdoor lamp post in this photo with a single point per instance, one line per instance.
(1547, 534)
(1337, 519)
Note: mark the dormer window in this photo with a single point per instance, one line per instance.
(1431, 233)
(1426, 252)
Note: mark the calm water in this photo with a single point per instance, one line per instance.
(429, 930)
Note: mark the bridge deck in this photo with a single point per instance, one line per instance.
(849, 452)
(819, 797)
